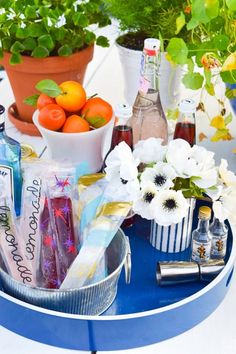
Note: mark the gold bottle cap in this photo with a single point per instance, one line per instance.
(204, 212)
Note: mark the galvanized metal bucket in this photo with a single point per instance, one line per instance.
(93, 299)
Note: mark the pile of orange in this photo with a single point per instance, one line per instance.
(71, 111)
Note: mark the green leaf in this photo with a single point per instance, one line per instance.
(210, 89)
(31, 100)
(102, 41)
(40, 52)
(193, 81)
(221, 41)
(208, 75)
(46, 41)
(205, 10)
(96, 121)
(193, 23)
(64, 50)
(228, 119)
(49, 87)
(29, 44)
(180, 22)
(15, 59)
(22, 33)
(177, 50)
(89, 37)
(229, 76)
(190, 64)
(31, 12)
(17, 47)
(80, 19)
(35, 30)
(1, 53)
(231, 5)
(59, 34)
(230, 93)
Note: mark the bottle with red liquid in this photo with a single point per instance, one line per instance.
(186, 127)
(123, 132)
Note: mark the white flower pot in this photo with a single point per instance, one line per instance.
(176, 237)
(170, 77)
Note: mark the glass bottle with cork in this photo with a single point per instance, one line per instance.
(219, 232)
(186, 126)
(201, 237)
(10, 168)
(148, 118)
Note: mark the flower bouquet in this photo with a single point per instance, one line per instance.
(163, 183)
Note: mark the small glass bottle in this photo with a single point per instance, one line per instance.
(10, 170)
(201, 237)
(219, 232)
(122, 131)
(148, 118)
(186, 127)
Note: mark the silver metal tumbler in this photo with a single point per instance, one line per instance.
(169, 273)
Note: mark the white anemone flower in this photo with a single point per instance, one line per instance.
(150, 150)
(143, 205)
(170, 207)
(204, 170)
(2, 11)
(226, 176)
(161, 176)
(61, 21)
(122, 173)
(225, 207)
(22, 25)
(178, 156)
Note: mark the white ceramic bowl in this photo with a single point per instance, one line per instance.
(90, 147)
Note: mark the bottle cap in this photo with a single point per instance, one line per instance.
(204, 212)
(123, 111)
(187, 106)
(152, 45)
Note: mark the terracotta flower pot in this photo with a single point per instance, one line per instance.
(23, 77)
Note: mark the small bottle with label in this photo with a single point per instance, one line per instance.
(10, 171)
(201, 237)
(219, 232)
(185, 127)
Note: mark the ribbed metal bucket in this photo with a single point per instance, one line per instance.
(88, 300)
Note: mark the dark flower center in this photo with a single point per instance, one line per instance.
(170, 204)
(124, 181)
(148, 197)
(159, 180)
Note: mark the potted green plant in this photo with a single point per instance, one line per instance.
(139, 20)
(210, 48)
(47, 39)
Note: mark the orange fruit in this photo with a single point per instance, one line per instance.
(97, 112)
(73, 96)
(44, 100)
(52, 116)
(75, 124)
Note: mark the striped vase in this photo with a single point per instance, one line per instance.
(176, 237)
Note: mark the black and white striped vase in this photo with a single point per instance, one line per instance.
(176, 237)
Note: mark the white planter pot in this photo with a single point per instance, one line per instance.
(170, 77)
(176, 237)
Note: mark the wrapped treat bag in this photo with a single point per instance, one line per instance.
(11, 244)
(60, 190)
(47, 271)
(90, 188)
(33, 202)
(97, 237)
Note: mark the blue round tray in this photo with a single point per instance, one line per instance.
(143, 313)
